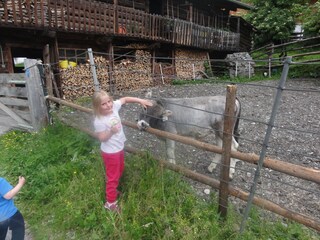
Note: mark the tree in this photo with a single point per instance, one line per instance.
(309, 17)
(274, 20)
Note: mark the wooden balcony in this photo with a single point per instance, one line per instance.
(85, 16)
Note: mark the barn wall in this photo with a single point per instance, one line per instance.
(5, 64)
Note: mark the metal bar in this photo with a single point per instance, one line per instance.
(93, 69)
(266, 139)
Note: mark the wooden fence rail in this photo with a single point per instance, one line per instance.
(272, 56)
(305, 173)
(294, 170)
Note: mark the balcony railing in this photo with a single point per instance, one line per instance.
(85, 16)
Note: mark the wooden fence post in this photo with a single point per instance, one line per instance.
(226, 150)
(36, 100)
(46, 59)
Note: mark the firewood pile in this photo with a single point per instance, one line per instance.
(189, 64)
(78, 81)
(133, 74)
(127, 75)
(163, 73)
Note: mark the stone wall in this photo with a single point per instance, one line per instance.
(240, 65)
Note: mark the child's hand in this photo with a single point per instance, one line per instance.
(115, 129)
(22, 180)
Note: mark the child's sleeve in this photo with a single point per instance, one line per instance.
(5, 187)
(99, 126)
(117, 105)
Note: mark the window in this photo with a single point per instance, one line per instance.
(74, 55)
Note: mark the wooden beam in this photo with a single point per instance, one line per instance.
(13, 115)
(37, 104)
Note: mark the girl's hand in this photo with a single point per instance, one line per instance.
(146, 103)
(115, 129)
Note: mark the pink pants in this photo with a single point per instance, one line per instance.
(114, 165)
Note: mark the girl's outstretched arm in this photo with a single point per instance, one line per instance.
(144, 102)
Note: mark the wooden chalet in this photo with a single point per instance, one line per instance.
(67, 28)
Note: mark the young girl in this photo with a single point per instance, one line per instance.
(108, 128)
(10, 217)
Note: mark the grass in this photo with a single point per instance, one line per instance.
(309, 70)
(226, 79)
(64, 195)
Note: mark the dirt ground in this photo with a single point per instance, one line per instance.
(295, 139)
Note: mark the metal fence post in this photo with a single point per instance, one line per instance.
(276, 104)
(93, 69)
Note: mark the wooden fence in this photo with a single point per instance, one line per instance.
(276, 165)
(13, 99)
(272, 56)
(22, 97)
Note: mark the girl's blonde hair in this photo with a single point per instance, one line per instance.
(96, 101)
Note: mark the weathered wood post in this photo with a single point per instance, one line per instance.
(93, 70)
(226, 150)
(36, 100)
(46, 53)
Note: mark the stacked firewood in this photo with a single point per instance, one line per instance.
(133, 74)
(189, 63)
(163, 73)
(78, 81)
(127, 75)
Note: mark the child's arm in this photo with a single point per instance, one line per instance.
(16, 189)
(144, 102)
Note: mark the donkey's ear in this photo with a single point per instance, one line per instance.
(165, 115)
(148, 94)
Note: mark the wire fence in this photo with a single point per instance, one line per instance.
(293, 133)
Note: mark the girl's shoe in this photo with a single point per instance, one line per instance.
(113, 207)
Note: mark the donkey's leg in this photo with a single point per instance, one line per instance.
(170, 147)
(233, 161)
(217, 158)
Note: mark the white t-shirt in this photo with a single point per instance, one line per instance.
(104, 123)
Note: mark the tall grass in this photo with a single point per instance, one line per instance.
(64, 195)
